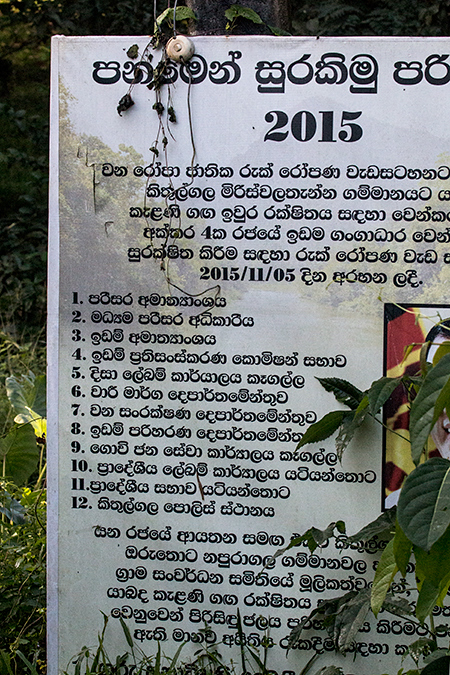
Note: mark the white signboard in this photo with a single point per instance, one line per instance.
(229, 238)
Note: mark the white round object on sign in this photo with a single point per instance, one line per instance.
(180, 48)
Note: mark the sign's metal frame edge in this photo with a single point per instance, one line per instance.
(53, 372)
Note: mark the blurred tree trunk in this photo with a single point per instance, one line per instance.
(212, 21)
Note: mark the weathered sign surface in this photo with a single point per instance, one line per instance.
(209, 260)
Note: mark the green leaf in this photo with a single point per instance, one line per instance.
(442, 402)
(434, 564)
(255, 656)
(12, 509)
(308, 665)
(20, 453)
(5, 663)
(423, 510)
(278, 31)
(436, 654)
(349, 619)
(157, 668)
(344, 391)
(317, 538)
(182, 14)
(237, 11)
(422, 408)
(397, 606)
(167, 14)
(433, 574)
(39, 424)
(330, 670)
(133, 51)
(402, 549)
(27, 396)
(350, 425)
(125, 103)
(30, 667)
(441, 351)
(127, 633)
(173, 661)
(327, 611)
(27, 392)
(314, 538)
(324, 428)
(380, 391)
(428, 597)
(384, 524)
(421, 647)
(384, 575)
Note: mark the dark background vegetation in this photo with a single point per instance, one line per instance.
(25, 30)
(26, 27)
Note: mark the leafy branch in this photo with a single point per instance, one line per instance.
(419, 527)
(235, 13)
(360, 403)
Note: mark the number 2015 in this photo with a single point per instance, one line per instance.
(304, 126)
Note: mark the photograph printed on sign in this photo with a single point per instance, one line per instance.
(407, 329)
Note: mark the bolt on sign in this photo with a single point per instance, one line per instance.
(263, 213)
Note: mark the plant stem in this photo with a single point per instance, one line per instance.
(432, 626)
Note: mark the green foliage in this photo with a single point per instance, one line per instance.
(27, 395)
(133, 51)
(22, 523)
(382, 527)
(25, 29)
(345, 423)
(402, 549)
(380, 392)
(19, 450)
(181, 14)
(19, 356)
(440, 666)
(207, 660)
(319, 431)
(423, 514)
(22, 581)
(43, 18)
(432, 575)
(236, 12)
(313, 537)
(371, 17)
(23, 220)
(343, 391)
(384, 576)
(12, 509)
(342, 617)
(427, 406)
(19, 453)
(418, 527)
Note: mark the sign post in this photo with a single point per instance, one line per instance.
(214, 251)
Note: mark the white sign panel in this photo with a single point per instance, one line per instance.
(229, 238)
